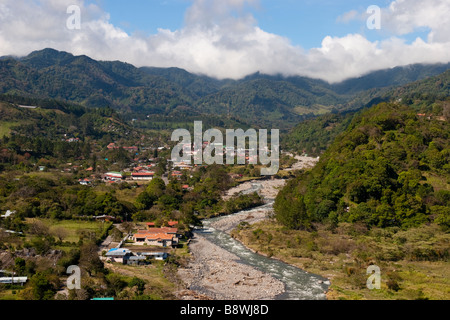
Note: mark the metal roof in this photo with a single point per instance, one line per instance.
(13, 279)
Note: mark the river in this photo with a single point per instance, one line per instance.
(298, 284)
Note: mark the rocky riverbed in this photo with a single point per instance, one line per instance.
(218, 274)
(215, 273)
(228, 224)
(268, 188)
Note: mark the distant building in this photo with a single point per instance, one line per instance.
(105, 218)
(113, 176)
(177, 174)
(27, 107)
(8, 213)
(85, 182)
(142, 176)
(162, 237)
(154, 239)
(172, 223)
(13, 280)
(118, 255)
(126, 256)
(155, 255)
(136, 260)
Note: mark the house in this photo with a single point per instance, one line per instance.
(136, 260)
(162, 237)
(118, 255)
(182, 165)
(142, 176)
(172, 223)
(113, 176)
(154, 239)
(151, 226)
(13, 280)
(105, 218)
(8, 213)
(176, 174)
(85, 182)
(168, 230)
(27, 107)
(155, 255)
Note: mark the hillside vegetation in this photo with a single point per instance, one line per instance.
(376, 173)
(380, 195)
(257, 100)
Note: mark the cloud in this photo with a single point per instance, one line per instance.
(348, 16)
(221, 38)
(403, 17)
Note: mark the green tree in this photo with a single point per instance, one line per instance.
(41, 287)
(290, 210)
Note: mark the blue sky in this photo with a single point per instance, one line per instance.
(306, 22)
(326, 39)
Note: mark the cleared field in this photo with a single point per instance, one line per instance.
(414, 263)
(72, 230)
(5, 127)
(158, 286)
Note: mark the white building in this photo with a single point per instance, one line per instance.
(8, 213)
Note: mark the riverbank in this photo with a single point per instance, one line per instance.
(268, 188)
(343, 256)
(216, 273)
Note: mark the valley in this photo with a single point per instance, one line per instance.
(87, 178)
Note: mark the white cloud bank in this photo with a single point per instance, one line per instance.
(222, 39)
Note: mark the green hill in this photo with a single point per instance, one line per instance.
(314, 136)
(257, 100)
(389, 168)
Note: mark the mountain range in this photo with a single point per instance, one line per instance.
(257, 99)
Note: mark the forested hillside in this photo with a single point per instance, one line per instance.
(389, 168)
(315, 135)
(257, 100)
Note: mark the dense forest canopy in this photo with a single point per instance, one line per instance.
(389, 168)
(258, 99)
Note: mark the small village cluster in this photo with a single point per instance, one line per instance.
(164, 237)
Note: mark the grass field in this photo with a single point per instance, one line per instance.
(414, 263)
(158, 287)
(5, 127)
(73, 228)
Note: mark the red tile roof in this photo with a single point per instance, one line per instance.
(142, 174)
(154, 236)
(158, 230)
